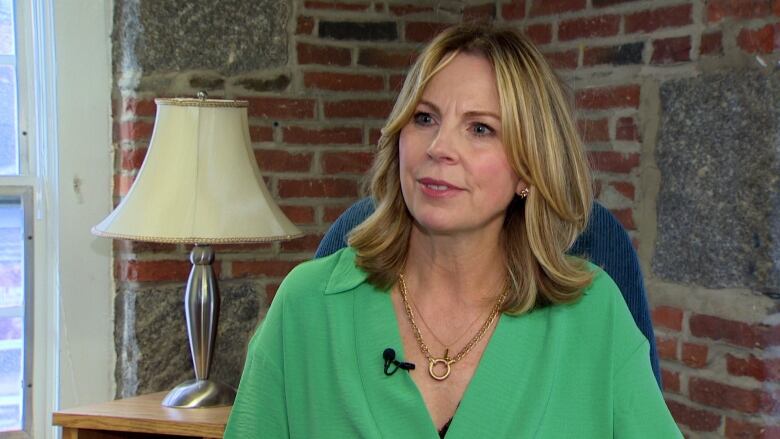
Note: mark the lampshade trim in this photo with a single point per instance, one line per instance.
(190, 102)
(195, 240)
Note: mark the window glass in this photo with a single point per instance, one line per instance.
(9, 152)
(7, 40)
(11, 312)
(9, 149)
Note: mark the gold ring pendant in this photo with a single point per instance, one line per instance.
(433, 362)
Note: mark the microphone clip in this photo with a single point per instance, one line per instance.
(389, 357)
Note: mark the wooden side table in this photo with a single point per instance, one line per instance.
(140, 417)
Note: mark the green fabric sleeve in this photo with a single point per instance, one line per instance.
(639, 409)
(260, 409)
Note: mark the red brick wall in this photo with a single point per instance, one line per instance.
(717, 372)
(313, 140)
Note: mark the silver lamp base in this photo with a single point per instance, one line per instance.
(201, 310)
(200, 393)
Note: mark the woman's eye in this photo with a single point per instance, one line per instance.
(423, 118)
(481, 129)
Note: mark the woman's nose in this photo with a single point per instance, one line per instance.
(443, 147)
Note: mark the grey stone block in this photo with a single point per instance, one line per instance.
(278, 83)
(229, 36)
(151, 336)
(719, 203)
(207, 82)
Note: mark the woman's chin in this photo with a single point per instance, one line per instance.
(437, 226)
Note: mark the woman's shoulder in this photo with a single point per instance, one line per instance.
(601, 283)
(318, 267)
(601, 288)
(326, 275)
(601, 310)
(600, 297)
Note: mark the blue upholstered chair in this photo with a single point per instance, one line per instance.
(604, 242)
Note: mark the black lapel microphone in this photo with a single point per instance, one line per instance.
(389, 356)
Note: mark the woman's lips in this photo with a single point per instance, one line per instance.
(438, 188)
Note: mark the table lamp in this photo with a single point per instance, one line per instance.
(199, 184)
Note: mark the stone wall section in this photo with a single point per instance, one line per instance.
(318, 96)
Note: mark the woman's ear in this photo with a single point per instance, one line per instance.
(522, 189)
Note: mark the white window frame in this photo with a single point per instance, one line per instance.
(27, 186)
(65, 109)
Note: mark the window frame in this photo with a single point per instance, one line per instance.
(25, 185)
(64, 82)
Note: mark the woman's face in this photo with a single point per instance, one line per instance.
(455, 176)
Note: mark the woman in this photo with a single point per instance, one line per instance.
(481, 185)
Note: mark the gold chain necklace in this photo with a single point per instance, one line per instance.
(446, 345)
(445, 360)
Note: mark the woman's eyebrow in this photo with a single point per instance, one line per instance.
(431, 105)
(474, 113)
(483, 113)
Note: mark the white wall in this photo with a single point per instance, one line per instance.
(78, 263)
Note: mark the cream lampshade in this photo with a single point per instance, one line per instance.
(199, 184)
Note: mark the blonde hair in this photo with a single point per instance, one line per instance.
(543, 148)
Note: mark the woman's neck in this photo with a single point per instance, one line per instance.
(467, 269)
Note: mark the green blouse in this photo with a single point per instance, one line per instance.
(314, 369)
